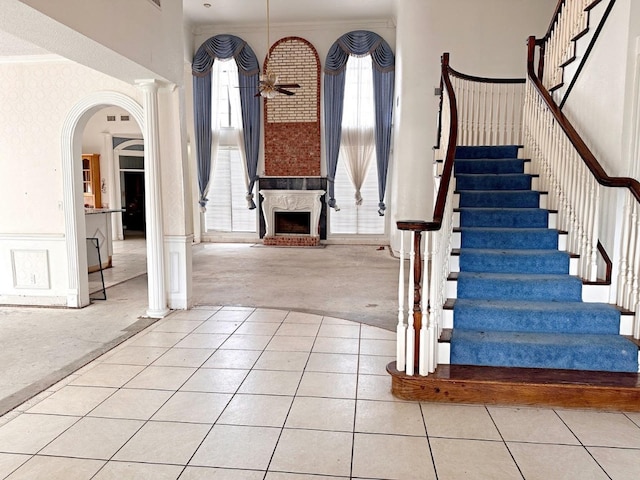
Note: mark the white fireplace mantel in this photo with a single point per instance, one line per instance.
(291, 201)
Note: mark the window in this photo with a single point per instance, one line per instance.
(357, 158)
(227, 207)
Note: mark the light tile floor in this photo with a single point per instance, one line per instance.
(256, 394)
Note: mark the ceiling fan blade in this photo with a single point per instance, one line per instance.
(282, 90)
(288, 85)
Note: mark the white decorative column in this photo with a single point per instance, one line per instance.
(153, 201)
(415, 112)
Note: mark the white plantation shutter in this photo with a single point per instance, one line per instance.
(227, 208)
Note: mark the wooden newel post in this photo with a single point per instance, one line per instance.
(417, 227)
(417, 295)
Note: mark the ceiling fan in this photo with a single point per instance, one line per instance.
(268, 87)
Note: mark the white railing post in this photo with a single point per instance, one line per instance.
(424, 351)
(411, 339)
(401, 330)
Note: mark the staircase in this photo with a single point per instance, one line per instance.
(494, 310)
(516, 328)
(516, 303)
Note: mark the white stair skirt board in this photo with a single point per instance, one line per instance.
(454, 263)
(447, 318)
(562, 242)
(626, 324)
(456, 200)
(456, 239)
(444, 353)
(452, 289)
(544, 200)
(595, 293)
(581, 46)
(573, 265)
(535, 183)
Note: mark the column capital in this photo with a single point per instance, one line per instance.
(153, 84)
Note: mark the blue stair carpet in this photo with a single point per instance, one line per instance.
(516, 303)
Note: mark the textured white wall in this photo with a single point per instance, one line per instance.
(135, 30)
(34, 100)
(596, 105)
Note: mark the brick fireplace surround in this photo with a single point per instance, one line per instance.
(292, 143)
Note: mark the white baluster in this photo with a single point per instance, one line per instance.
(593, 267)
(633, 240)
(411, 339)
(624, 251)
(424, 352)
(401, 330)
(635, 289)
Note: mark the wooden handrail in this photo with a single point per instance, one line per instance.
(585, 153)
(473, 78)
(438, 211)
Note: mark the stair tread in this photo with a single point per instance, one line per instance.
(496, 175)
(488, 159)
(512, 251)
(583, 351)
(524, 305)
(536, 277)
(544, 338)
(500, 192)
(501, 209)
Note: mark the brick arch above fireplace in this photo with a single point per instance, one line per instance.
(292, 123)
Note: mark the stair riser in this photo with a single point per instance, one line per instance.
(543, 219)
(454, 265)
(485, 319)
(501, 262)
(545, 356)
(561, 242)
(494, 182)
(470, 152)
(499, 218)
(488, 166)
(523, 289)
(544, 239)
(543, 198)
(499, 199)
(626, 322)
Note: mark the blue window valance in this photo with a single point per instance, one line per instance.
(359, 43)
(224, 47)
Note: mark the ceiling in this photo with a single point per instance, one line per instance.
(230, 12)
(247, 12)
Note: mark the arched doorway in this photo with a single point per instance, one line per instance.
(71, 141)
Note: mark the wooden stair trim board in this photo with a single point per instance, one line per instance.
(579, 35)
(556, 87)
(568, 61)
(592, 5)
(520, 386)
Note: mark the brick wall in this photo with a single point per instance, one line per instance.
(292, 123)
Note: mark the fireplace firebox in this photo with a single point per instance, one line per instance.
(292, 223)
